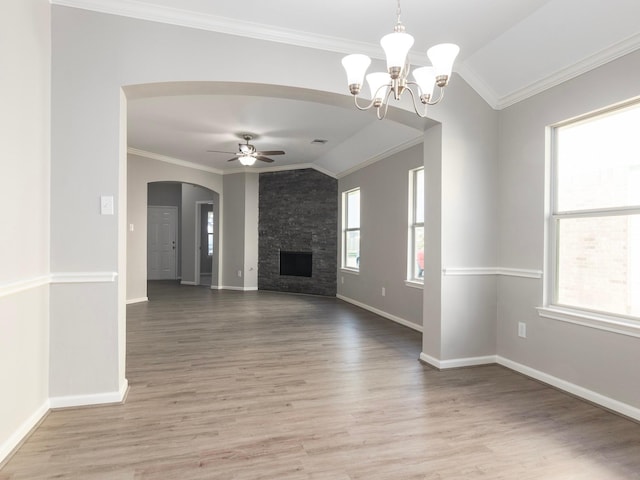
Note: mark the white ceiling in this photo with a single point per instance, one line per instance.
(510, 50)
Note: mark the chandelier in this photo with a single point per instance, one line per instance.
(395, 80)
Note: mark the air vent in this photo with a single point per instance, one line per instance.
(318, 141)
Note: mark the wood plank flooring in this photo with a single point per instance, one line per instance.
(238, 386)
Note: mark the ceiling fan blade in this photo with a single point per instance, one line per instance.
(220, 151)
(264, 159)
(232, 159)
(271, 152)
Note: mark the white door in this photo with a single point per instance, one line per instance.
(162, 243)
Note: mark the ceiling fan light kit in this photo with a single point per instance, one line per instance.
(396, 47)
(247, 153)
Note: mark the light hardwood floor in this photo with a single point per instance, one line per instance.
(259, 385)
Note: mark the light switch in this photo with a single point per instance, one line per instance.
(106, 205)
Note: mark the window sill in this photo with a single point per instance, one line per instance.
(414, 284)
(608, 323)
(350, 270)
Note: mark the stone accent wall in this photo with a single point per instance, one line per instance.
(298, 212)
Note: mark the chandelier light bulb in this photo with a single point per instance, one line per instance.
(396, 47)
(442, 57)
(426, 79)
(356, 66)
(378, 85)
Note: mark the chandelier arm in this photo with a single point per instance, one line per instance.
(355, 98)
(415, 104)
(386, 106)
(439, 99)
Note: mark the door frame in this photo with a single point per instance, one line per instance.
(199, 204)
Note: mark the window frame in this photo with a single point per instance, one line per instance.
(346, 230)
(413, 277)
(552, 308)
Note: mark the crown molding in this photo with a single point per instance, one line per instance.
(229, 171)
(591, 62)
(381, 156)
(187, 18)
(171, 160)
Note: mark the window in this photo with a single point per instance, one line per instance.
(595, 214)
(351, 229)
(415, 271)
(210, 233)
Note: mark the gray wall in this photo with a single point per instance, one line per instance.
(240, 259)
(298, 213)
(25, 50)
(384, 190)
(603, 362)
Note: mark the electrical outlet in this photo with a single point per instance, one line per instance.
(341, 279)
(384, 292)
(239, 273)
(522, 329)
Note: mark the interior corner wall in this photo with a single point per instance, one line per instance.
(469, 184)
(384, 204)
(602, 362)
(25, 50)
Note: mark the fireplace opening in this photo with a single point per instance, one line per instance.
(296, 264)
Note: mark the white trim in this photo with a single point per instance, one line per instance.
(188, 282)
(457, 362)
(598, 321)
(171, 160)
(414, 284)
(350, 271)
(509, 272)
(600, 58)
(24, 285)
(586, 394)
(90, 399)
(381, 156)
(388, 316)
(53, 278)
(11, 444)
(227, 171)
(84, 277)
(519, 272)
(137, 300)
(237, 289)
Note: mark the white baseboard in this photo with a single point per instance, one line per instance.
(457, 362)
(137, 300)
(21, 434)
(90, 399)
(187, 282)
(589, 395)
(388, 316)
(238, 289)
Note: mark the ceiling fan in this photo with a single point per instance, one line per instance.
(247, 153)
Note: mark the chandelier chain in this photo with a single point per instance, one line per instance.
(398, 11)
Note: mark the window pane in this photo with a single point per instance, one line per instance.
(419, 194)
(418, 242)
(210, 244)
(352, 251)
(209, 222)
(599, 263)
(353, 209)
(598, 162)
